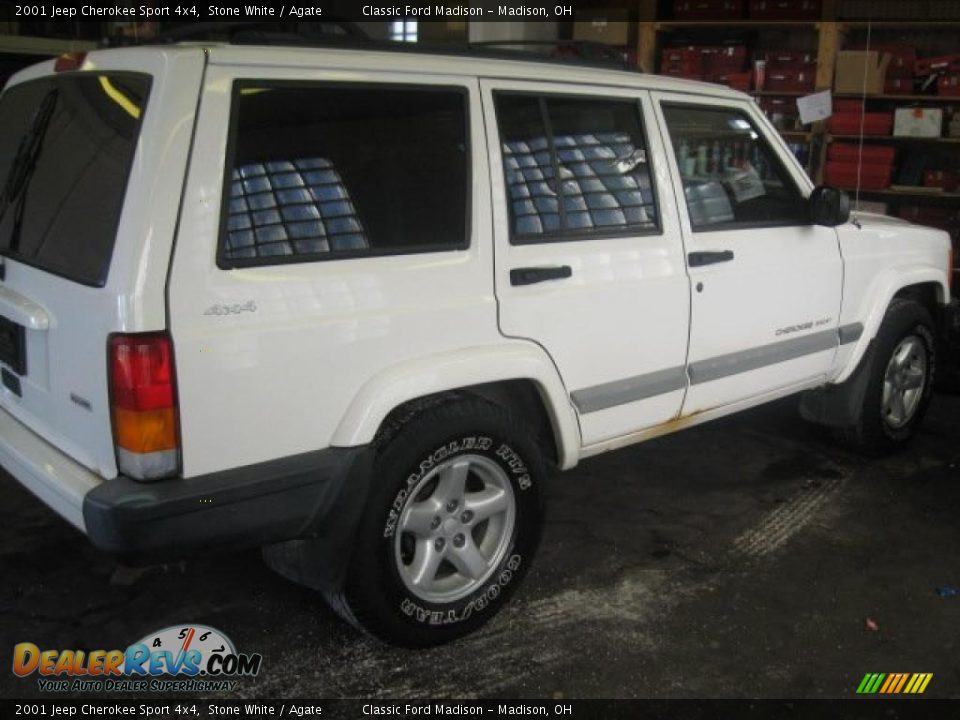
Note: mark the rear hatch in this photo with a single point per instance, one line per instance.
(92, 157)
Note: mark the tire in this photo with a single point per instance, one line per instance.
(901, 380)
(433, 562)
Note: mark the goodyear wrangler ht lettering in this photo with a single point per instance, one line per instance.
(457, 528)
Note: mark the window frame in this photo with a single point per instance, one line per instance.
(239, 84)
(576, 234)
(736, 225)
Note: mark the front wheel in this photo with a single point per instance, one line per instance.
(452, 523)
(901, 380)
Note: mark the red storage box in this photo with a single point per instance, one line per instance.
(847, 105)
(708, 9)
(738, 52)
(848, 123)
(902, 58)
(737, 81)
(681, 54)
(682, 67)
(790, 80)
(940, 179)
(723, 59)
(668, 72)
(898, 86)
(785, 9)
(872, 154)
(928, 66)
(949, 85)
(781, 58)
(844, 175)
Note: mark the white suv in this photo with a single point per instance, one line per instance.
(350, 306)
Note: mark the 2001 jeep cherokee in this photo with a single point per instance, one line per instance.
(349, 306)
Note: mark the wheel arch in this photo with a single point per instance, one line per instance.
(517, 376)
(926, 285)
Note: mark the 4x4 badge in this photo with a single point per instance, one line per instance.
(235, 309)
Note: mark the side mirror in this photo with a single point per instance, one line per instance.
(829, 206)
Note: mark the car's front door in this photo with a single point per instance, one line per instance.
(591, 268)
(766, 283)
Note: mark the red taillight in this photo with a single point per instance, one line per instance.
(69, 61)
(143, 405)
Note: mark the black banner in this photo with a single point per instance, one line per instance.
(317, 10)
(586, 709)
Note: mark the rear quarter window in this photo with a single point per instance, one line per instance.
(320, 172)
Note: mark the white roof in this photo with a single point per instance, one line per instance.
(406, 62)
(418, 63)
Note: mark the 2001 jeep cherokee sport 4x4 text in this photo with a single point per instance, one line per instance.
(349, 306)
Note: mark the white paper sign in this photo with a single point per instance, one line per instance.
(745, 184)
(818, 106)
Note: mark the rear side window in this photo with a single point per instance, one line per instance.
(66, 147)
(595, 146)
(328, 171)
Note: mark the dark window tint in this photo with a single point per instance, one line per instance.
(731, 177)
(595, 147)
(66, 147)
(323, 171)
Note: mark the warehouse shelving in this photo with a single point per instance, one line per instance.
(823, 38)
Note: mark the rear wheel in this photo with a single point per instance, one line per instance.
(452, 523)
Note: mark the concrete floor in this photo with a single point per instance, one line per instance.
(740, 558)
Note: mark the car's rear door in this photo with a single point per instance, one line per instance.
(591, 268)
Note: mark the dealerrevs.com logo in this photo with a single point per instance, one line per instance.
(187, 658)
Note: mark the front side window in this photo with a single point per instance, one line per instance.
(731, 176)
(320, 172)
(596, 149)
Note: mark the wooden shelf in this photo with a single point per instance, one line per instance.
(736, 24)
(901, 24)
(902, 98)
(782, 93)
(895, 139)
(919, 194)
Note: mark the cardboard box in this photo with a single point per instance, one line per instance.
(918, 122)
(605, 26)
(852, 65)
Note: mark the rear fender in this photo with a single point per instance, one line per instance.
(458, 369)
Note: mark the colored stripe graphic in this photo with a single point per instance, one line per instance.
(886, 686)
(894, 683)
(901, 682)
(862, 687)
